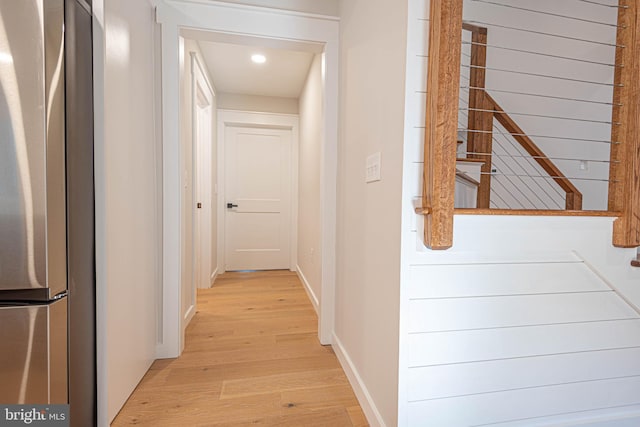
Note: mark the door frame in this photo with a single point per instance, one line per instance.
(232, 118)
(270, 26)
(199, 81)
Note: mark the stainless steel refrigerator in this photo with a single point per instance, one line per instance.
(47, 243)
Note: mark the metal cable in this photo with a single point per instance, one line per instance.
(558, 15)
(546, 34)
(552, 158)
(605, 5)
(494, 204)
(529, 159)
(501, 163)
(535, 166)
(510, 179)
(542, 54)
(547, 137)
(548, 76)
(539, 95)
(553, 177)
(543, 116)
(532, 163)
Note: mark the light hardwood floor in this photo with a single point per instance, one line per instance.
(252, 357)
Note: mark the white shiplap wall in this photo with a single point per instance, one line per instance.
(517, 324)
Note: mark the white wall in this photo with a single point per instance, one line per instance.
(323, 7)
(127, 199)
(263, 104)
(188, 46)
(310, 155)
(517, 324)
(373, 41)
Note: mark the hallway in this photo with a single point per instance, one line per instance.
(252, 357)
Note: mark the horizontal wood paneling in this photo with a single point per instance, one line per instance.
(441, 281)
(498, 312)
(490, 344)
(626, 416)
(483, 409)
(509, 312)
(512, 374)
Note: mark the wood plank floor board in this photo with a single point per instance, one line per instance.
(282, 382)
(320, 398)
(333, 417)
(357, 417)
(236, 371)
(252, 358)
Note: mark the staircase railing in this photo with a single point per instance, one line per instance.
(484, 114)
(483, 110)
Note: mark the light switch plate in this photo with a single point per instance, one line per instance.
(373, 168)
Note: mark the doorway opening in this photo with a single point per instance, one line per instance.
(268, 143)
(278, 30)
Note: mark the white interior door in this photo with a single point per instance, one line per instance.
(258, 196)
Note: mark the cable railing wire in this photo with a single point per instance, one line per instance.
(521, 184)
(562, 36)
(501, 160)
(619, 6)
(540, 95)
(548, 55)
(554, 177)
(558, 15)
(547, 158)
(532, 164)
(548, 76)
(543, 116)
(521, 179)
(565, 138)
(509, 139)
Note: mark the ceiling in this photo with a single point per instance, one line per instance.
(232, 71)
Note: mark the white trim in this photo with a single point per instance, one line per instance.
(199, 81)
(253, 22)
(227, 118)
(359, 388)
(262, 9)
(213, 277)
(102, 373)
(189, 314)
(203, 71)
(171, 344)
(307, 287)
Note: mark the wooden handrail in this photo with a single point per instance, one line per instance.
(473, 28)
(574, 196)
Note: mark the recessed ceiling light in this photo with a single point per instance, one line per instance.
(258, 59)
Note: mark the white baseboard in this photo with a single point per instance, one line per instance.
(312, 296)
(359, 388)
(213, 278)
(189, 315)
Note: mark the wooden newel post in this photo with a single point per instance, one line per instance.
(624, 172)
(480, 123)
(443, 87)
